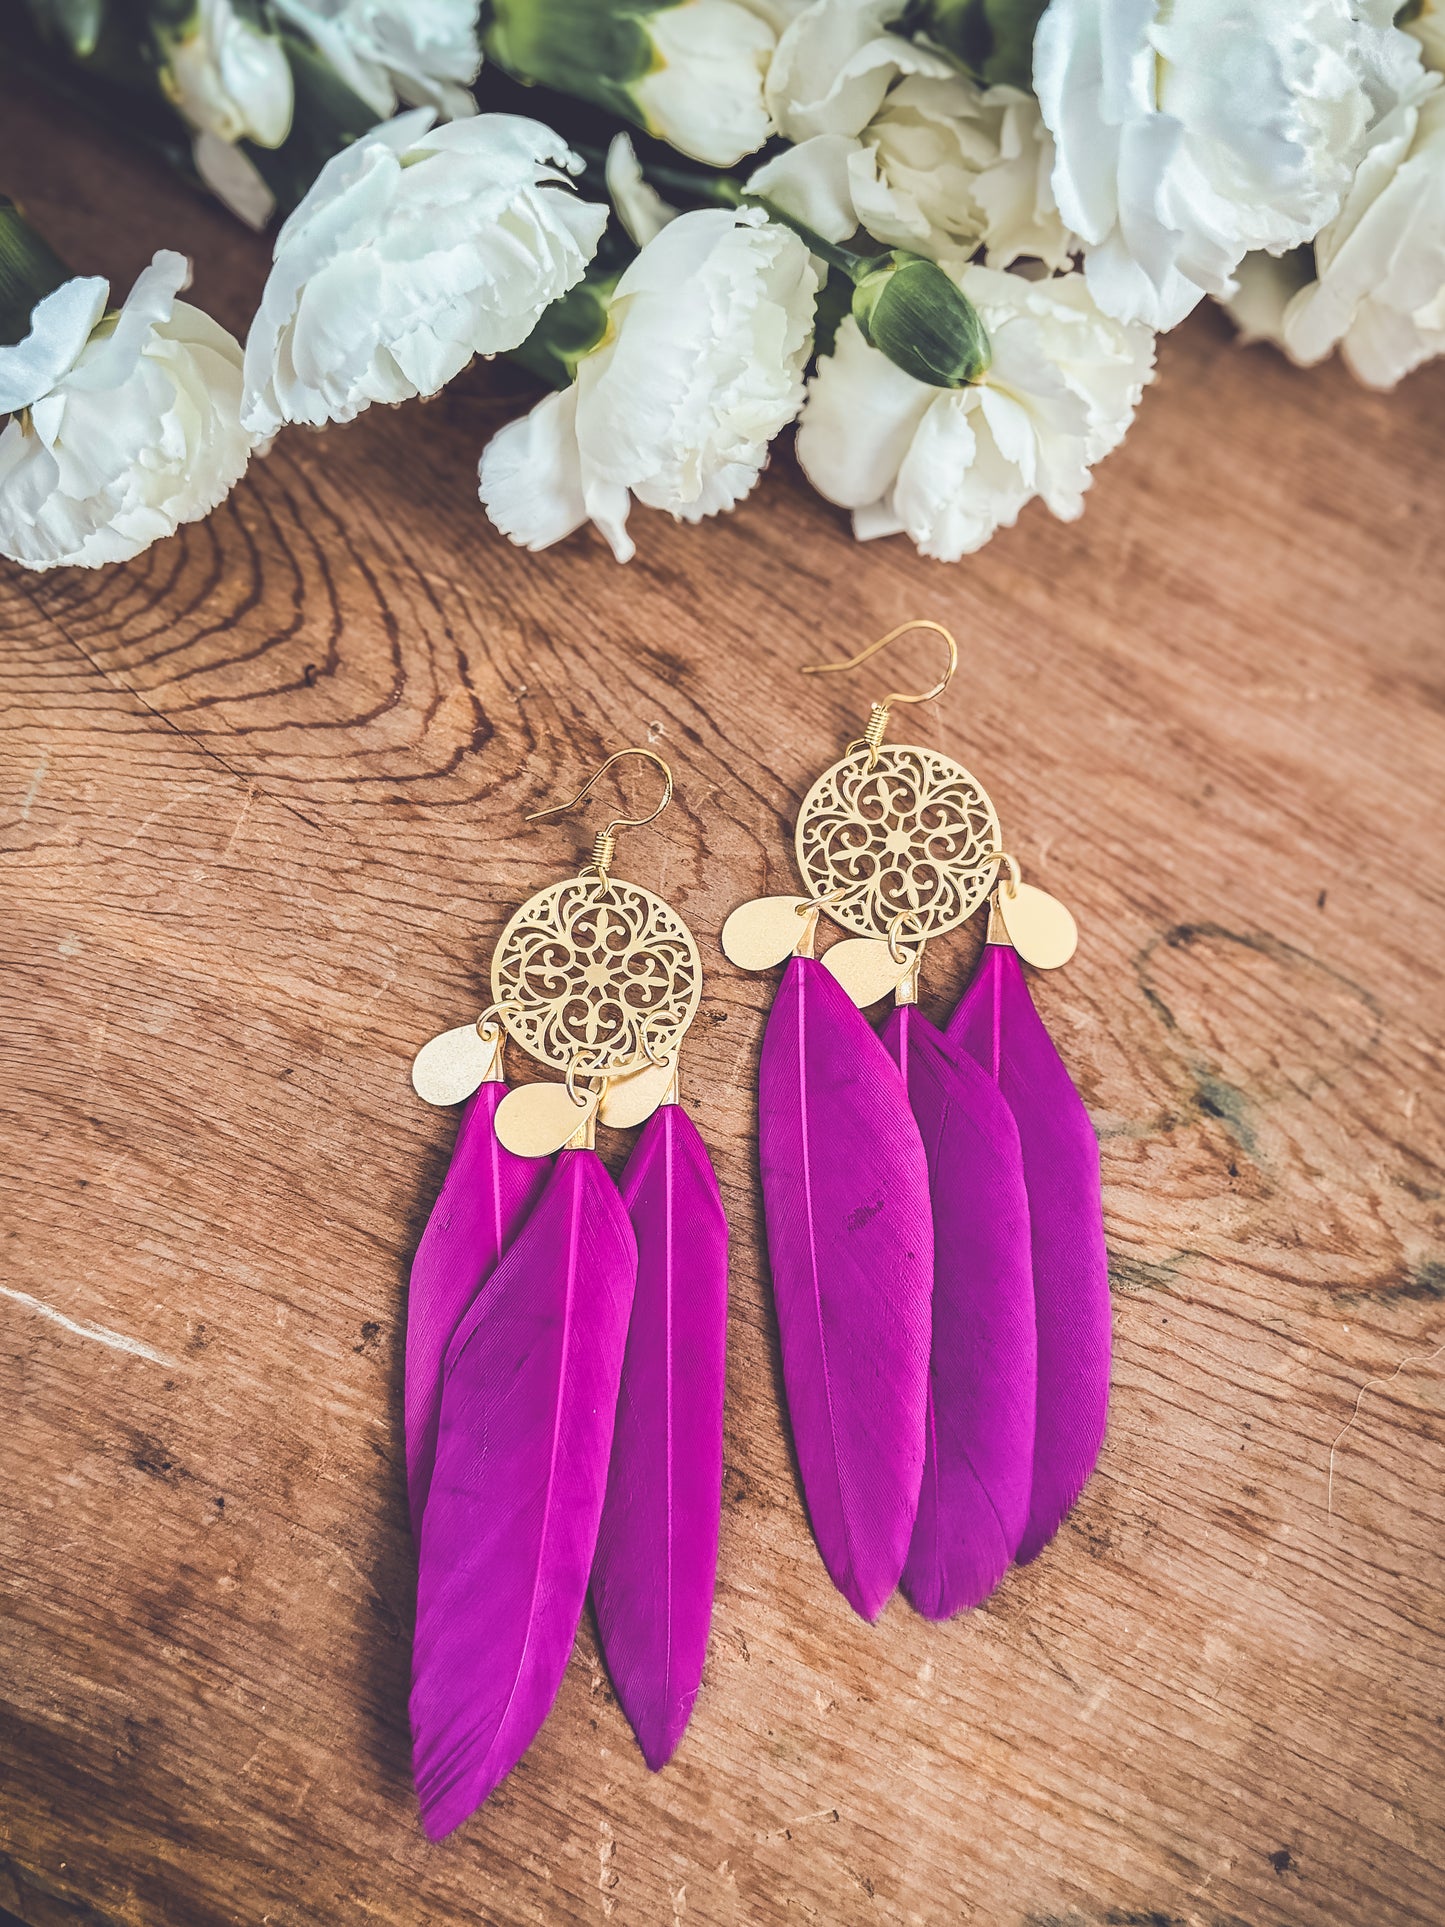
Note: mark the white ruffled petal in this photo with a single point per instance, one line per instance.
(704, 93)
(811, 182)
(1186, 136)
(418, 247)
(531, 474)
(99, 469)
(60, 325)
(859, 420)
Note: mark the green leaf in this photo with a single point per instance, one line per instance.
(76, 22)
(592, 49)
(30, 269)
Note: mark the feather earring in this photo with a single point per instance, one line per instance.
(997, 1024)
(486, 1194)
(652, 1579)
(521, 1464)
(598, 979)
(850, 1236)
(974, 1504)
(899, 844)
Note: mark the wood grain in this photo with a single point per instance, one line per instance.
(262, 802)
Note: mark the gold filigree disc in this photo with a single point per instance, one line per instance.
(913, 835)
(596, 976)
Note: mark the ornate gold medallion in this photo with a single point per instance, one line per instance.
(596, 975)
(895, 838)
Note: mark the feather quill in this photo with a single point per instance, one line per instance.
(998, 1025)
(652, 1579)
(974, 1501)
(486, 1194)
(510, 1525)
(850, 1235)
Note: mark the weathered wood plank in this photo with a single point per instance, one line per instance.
(262, 797)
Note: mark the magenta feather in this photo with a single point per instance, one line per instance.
(997, 1023)
(652, 1579)
(486, 1194)
(974, 1501)
(850, 1235)
(511, 1520)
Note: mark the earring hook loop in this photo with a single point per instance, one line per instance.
(897, 696)
(607, 836)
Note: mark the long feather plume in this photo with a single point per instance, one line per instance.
(998, 1025)
(486, 1194)
(652, 1579)
(850, 1234)
(974, 1502)
(511, 1520)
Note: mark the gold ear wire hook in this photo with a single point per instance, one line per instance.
(878, 717)
(606, 841)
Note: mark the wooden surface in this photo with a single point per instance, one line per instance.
(262, 802)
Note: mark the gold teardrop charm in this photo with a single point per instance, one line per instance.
(1039, 927)
(452, 1066)
(632, 1100)
(537, 1119)
(867, 968)
(760, 934)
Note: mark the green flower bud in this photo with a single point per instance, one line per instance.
(588, 48)
(923, 321)
(692, 76)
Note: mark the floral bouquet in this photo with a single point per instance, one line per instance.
(939, 235)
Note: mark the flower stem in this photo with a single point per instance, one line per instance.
(846, 260)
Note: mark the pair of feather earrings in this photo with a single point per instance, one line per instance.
(565, 1343)
(935, 1235)
(932, 1197)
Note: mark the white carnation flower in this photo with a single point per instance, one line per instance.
(1189, 133)
(1379, 292)
(890, 137)
(943, 167)
(704, 90)
(708, 333)
(835, 64)
(691, 71)
(949, 466)
(417, 248)
(227, 76)
(122, 426)
(423, 53)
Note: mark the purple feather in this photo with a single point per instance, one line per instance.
(652, 1579)
(486, 1194)
(510, 1525)
(974, 1501)
(850, 1234)
(997, 1023)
